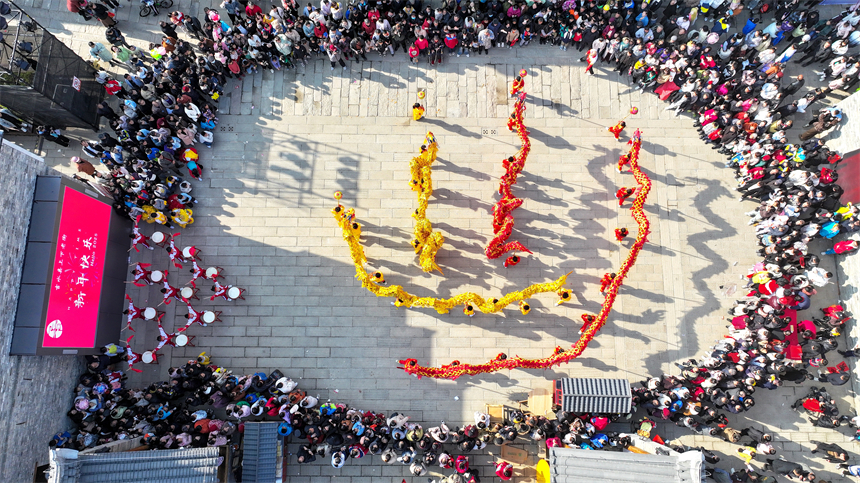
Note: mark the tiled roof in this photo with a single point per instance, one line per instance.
(585, 466)
(582, 395)
(194, 465)
(260, 452)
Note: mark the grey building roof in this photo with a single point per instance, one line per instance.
(583, 395)
(194, 465)
(260, 452)
(569, 465)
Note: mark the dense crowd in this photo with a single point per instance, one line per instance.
(170, 415)
(104, 410)
(152, 158)
(165, 110)
(180, 413)
(798, 201)
(656, 42)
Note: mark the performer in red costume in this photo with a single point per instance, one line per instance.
(170, 292)
(517, 86)
(512, 123)
(220, 291)
(590, 58)
(616, 129)
(624, 193)
(141, 274)
(605, 281)
(587, 320)
(173, 252)
(164, 338)
(621, 233)
(197, 272)
(138, 238)
(192, 316)
(623, 160)
(132, 313)
(131, 356)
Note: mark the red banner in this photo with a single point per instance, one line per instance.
(76, 278)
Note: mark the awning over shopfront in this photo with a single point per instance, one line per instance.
(581, 395)
(262, 453)
(583, 466)
(193, 465)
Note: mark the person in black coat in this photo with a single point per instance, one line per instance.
(787, 110)
(832, 453)
(785, 468)
(795, 86)
(588, 38)
(837, 379)
(756, 435)
(168, 30)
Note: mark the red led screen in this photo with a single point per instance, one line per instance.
(850, 169)
(76, 279)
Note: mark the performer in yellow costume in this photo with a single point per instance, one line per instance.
(417, 112)
(182, 217)
(426, 242)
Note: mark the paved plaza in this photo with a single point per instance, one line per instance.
(288, 140)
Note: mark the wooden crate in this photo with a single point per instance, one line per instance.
(514, 455)
(497, 413)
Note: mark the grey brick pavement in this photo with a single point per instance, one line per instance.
(292, 139)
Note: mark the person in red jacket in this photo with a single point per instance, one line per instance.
(706, 62)
(373, 14)
(810, 404)
(451, 42)
(621, 234)
(504, 470)
(369, 27)
(320, 30)
(422, 43)
(461, 464)
(114, 88)
(841, 247)
(252, 10)
(715, 135)
(414, 52)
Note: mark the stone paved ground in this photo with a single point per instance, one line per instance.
(291, 140)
